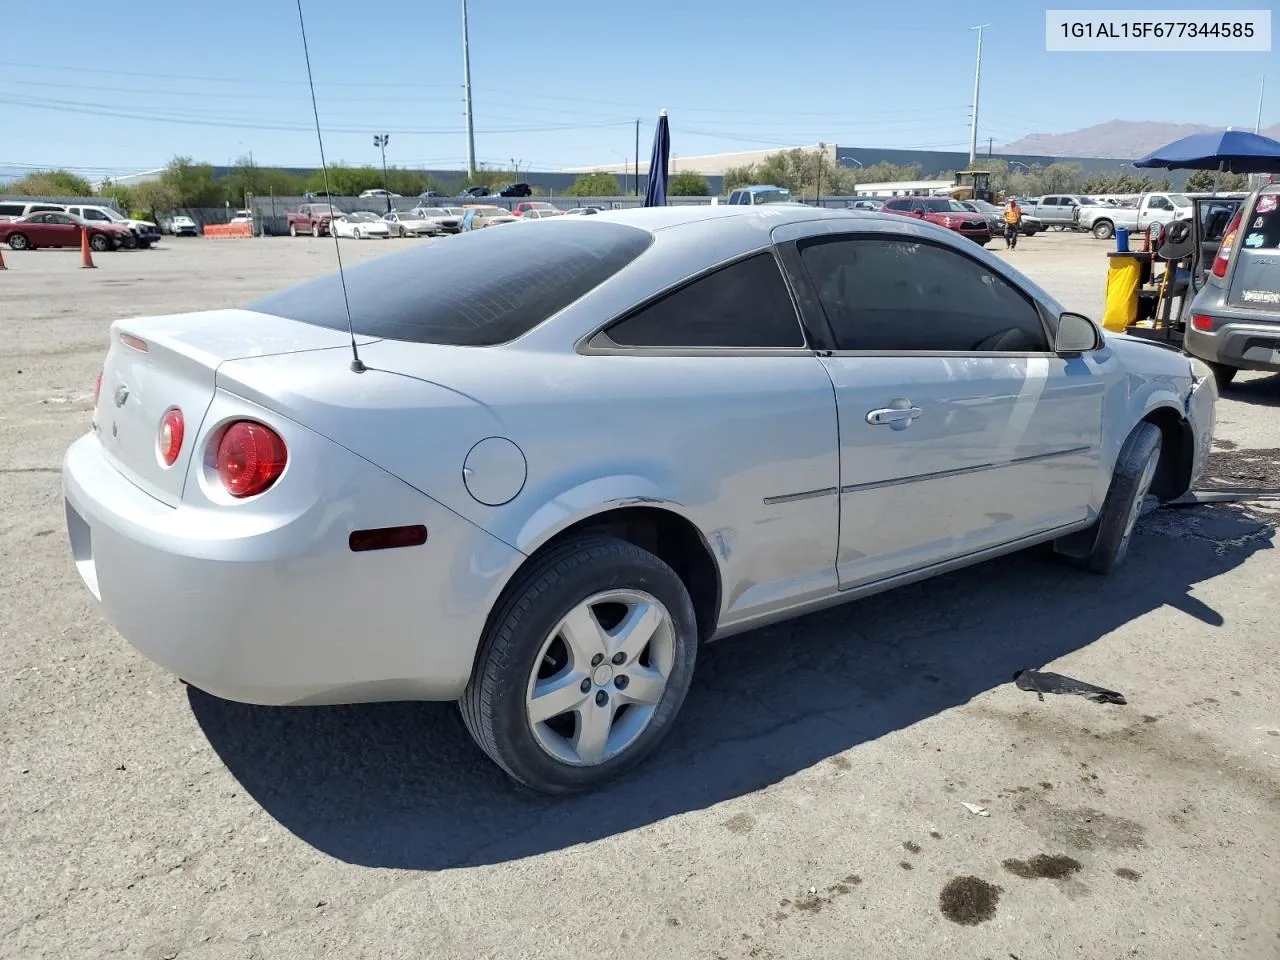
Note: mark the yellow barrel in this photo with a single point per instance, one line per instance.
(1124, 277)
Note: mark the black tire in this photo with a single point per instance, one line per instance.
(19, 241)
(494, 704)
(1223, 374)
(1104, 230)
(1103, 547)
(99, 243)
(130, 242)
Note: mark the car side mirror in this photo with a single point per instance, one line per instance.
(1076, 335)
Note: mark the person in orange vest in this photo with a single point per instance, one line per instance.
(1012, 223)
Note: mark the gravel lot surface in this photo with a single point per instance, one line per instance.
(810, 804)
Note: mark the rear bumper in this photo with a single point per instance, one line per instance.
(1245, 344)
(270, 605)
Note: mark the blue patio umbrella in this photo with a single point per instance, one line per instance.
(655, 193)
(1227, 151)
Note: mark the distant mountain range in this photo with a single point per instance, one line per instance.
(1121, 139)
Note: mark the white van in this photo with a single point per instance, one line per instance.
(13, 209)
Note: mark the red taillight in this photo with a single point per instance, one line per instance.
(171, 430)
(1201, 322)
(97, 388)
(1224, 248)
(251, 457)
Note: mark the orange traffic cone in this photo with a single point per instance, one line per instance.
(86, 258)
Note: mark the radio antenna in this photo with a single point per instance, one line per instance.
(357, 366)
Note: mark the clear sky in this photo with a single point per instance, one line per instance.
(126, 85)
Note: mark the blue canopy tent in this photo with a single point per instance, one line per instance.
(1226, 151)
(655, 193)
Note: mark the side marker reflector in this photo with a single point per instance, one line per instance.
(386, 538)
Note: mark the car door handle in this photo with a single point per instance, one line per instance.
(888, 416)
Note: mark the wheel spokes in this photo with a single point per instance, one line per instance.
(556, 695)
(591, 738)
(583, 635)
(637, 628)
(645, 685)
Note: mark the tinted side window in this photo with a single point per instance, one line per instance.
(12, 209)
(898, 205)
(746, 304)
(903, 296)
(1159, 203)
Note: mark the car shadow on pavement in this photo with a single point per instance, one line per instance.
(401, 785)
(1254, 389)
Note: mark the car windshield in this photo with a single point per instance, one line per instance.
(1178, 200)
(435, 212)
(482, 288)
(983, 207)
(362, 217)
(943, 205)
(770, 196)
(489, 211)
(411, 215)
(454, 211)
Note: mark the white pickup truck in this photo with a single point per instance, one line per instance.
(1103, 219)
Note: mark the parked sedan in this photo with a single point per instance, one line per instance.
(946, 213)
(447, 219)
(570, 456)
(487, 215)
(525, 206)
(410, 224)
(361, 225)
(183, 226)
(1029, 226)
(62, 230)
(540, 214)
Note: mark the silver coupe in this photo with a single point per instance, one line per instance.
(566, 457)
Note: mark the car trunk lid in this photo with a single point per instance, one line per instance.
(155, 364)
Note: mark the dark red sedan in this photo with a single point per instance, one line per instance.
(945, 212)
(60, 230)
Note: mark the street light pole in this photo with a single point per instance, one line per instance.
(466, 95)
(380, 141)
(1262, 89)
(977, 80)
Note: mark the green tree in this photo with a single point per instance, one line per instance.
(688, 185)
(737, 177)
(123, 196)
(595, 184)
(49, 183)
(155, 197)
(1201, 181)
(192, 183)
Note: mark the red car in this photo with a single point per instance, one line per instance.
(61, 230)
(945, 212)
(520, 209)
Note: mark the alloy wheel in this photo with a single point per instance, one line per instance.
(600, 675)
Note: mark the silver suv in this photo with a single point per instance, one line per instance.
(1234, 321)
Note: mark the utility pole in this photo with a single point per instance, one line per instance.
(1262, 88)
(637, 193)
(466, 95)
(977, 80)
(822, 155)
(990, 141)
(380, 140)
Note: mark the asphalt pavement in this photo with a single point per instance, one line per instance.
(863, 782)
